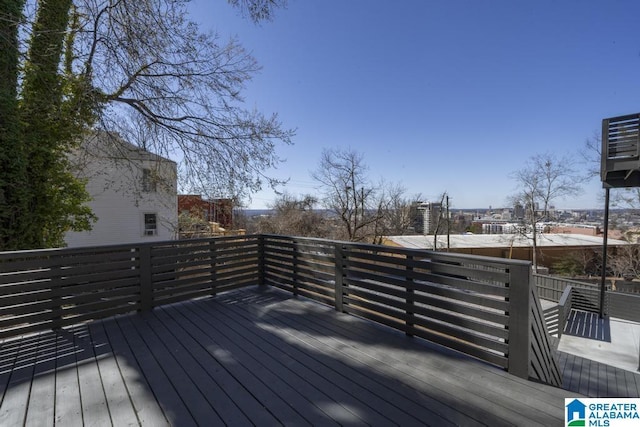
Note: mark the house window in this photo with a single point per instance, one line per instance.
(150, 224)
(148, 181)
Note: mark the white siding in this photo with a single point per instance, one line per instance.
(114, 177)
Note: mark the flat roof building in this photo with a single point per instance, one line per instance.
(551, 246)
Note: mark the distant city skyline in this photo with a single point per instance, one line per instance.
(438, 96)
(454, 210)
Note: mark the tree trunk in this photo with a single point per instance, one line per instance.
(534, 254)
(44, 134)
(13, 193)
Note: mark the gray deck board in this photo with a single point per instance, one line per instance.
(416, 370)
(595, 379)
(224, 408)
(140, 395)
(161, 382)
(92, 397)
(41, 399)
(264, 369)
(384, 393)
(68, 406)
(307, 355)
(18, 386)
(227, 394)
(176, 370)
(121, 410)
(254, 392)
(309, 377)
(262, 357)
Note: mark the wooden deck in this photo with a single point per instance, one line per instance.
(595, 379)
(258, 356)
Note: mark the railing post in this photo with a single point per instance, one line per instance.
(213, 273)
(294, 261)
(146, 287)
(410, 302)
(564, 309)
(519, 341)
(339, 275)
(261, 260)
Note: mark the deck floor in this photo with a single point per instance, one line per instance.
(257, 357)
(595, 379)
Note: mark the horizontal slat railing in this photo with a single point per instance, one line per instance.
(53, 288)
(185, 269)
(372, 290)
(484, 307)
(551, 288)
(302, 266)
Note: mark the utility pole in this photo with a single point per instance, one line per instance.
(603, 276)
(448, 225)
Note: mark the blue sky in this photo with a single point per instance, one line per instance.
(439, 95)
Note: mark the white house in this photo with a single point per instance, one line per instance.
(134, 192)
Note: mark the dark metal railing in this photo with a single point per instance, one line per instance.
(484, 307)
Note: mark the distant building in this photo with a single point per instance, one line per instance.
(426, 217)
(551, 247)
(493, 228)
(588, 230)
(134, 192)
(518, 212)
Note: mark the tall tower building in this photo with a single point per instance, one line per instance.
(431, 217)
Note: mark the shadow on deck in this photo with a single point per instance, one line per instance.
(256, 356)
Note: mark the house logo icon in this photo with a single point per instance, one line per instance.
(576, 413)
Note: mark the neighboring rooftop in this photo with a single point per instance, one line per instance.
(473, 241)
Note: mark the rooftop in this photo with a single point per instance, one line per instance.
(470, 241)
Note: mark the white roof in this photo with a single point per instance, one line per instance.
(467, 241)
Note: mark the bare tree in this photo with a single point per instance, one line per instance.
(259, 10)
(544, 179)
(349, 193)
(590, 155)
(625, 262)
(397, 210)
(390, 210)
(441, 219)
(295, 216)
(577, 263)
(628, 198)
(161, 83)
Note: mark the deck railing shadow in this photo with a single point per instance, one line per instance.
(66, 360)
(338, 348)
(484, 307)
(266, 344)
